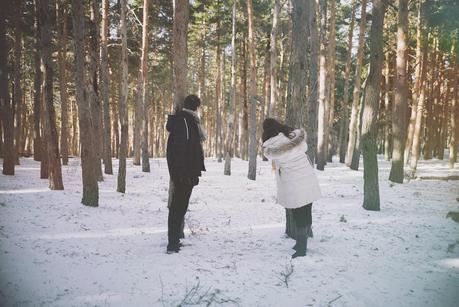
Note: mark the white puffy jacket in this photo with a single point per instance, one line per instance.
(297, 184)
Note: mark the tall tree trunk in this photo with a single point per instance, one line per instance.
(416, 87)
(454, 113)
(17, 96)
(105, 88)
(5, 105)
(88, 152)
(62, 62)
(387, 109)
(323, 83)
(332, 81)
(229, 144)
(37, 89)
(245, 105)
(142, 90)
(344, 115)
(272, 106)
(44, 163)
(252, 95)
(296, 100)
(180, 53)
(94, 96)
(370, 112)
(401, 96)
(415, 147)
(312, 127)
(218, 102)
(295, 115)
(123, 102)
(55, 172)
(357, 87)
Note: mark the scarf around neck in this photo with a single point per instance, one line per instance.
(202, 133)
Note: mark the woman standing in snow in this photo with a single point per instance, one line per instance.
(297, 185)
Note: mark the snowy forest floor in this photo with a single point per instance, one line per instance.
(56, 252)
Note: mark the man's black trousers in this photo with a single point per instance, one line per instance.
(179, 205)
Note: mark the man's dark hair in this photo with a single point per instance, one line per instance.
(192, 102)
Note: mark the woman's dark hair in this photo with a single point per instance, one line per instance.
(272, 127)
(192, 102)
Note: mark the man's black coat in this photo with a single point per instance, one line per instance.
(185, 156)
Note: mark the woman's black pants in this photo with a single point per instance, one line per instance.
(302, 216)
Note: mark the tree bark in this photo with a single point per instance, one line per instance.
(180, 52)
(371, 199)
(123, 101)
(323, 111)
(105, 88)
(18, 93)
(332, 81)
(62, 59)
(387, 109)
(37, 89)
(252, 173)
(142, 90)
(272, 106)
(400, 106)
(415, 147)
(245, 106)
(5, 104)
(312, 127)
(344, 115)
(357, 87)
(416, 87)
(55, 171)
(229, 144)
(454, 113)
(94, 97)
(295, 113)
(88, 152)
(296, 100)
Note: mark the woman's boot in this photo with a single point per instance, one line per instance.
(301, 242)
(309, 235)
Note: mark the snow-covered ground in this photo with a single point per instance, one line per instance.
(56, 252)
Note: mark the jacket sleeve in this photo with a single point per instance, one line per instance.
(181, 136)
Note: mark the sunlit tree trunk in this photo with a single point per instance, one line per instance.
(143, 90)
(123, 102)
(416, 88)
(371, 199)
(88, 152)
(252, 95)
(323, 111)
(357, 85)
(454, 113)
(179, 54)
(17, 89)
(416, 146)
(5, 104)
(296, 100)
(229, 152)
(62, 59)
(314, 46)
(332, 82)
(94, 95)
(105, 89)
(387, 109)
(271, 108)
(37, 89)
(55, 172)
(344, 115)
(401, 96)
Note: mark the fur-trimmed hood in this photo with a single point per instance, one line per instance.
(280, 144)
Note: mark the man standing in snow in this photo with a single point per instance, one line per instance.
(185, 160)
